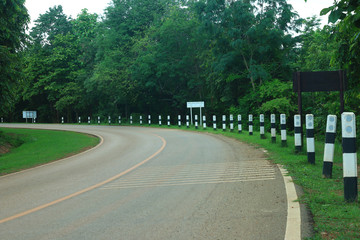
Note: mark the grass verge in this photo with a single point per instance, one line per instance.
(333, 217)
(38, 147)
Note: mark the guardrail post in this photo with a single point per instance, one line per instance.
(283, 130)
(224, 122)
(297, 130)
(348, 123)
(310, 141)
(273, 128)
(262, 126)
(329, 146)
(214, 122)
(239, 124)
(251, 124)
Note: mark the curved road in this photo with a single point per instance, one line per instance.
(147, 183)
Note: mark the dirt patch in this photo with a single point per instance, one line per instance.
(5, 148)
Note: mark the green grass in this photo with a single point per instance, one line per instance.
(333, 217)
(41, 146)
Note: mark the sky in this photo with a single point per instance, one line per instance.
(73, 7)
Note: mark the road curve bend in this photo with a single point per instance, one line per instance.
(147, 183)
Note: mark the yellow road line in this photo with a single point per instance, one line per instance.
(86, 189)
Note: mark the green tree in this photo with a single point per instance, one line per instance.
(13, 24)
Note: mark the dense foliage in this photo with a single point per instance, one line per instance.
(152, 56)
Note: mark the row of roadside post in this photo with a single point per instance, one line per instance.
(348, 123)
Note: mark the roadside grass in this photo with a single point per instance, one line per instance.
(333, 217)
(41, 146)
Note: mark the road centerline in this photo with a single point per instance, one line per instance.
(22, 214)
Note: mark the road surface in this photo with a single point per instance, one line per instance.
(147, 183)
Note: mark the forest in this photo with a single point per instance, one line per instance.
(152, 56)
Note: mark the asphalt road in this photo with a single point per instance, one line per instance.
(147, 183)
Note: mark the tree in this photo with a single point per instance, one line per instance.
(13, 24)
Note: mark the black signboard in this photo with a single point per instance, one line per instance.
(319, 81)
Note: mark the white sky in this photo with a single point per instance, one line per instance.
(73, 7)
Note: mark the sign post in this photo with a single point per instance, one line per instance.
(192, 105)
(29, 114)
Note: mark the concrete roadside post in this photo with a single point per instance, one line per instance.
(187, 121)
(109, 120)
(62, 120)
(141, 120)
(283, 130)
(179, 120)
(119, 120)
(239, 124)
(297, 133)
(329, 146)
(262, 126)
(2, 120)
(310, 141)
(131, 120)
(204, 122)
(251, 124)
(348, 123)
(99, 120)
(214, 122)
(89, 120)
(224, 123)
(159, 120)
(79, 120)
(273, 128)
(231, 123)
(168, 120)
(149, 120)
(196, 121)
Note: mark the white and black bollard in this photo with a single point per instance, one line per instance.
(141, 120)
(99, 120)
(159, 120)
(204, 122)
(187, 121)
(239, 124)
(196, 121)
(79, 120)
(89, 120)
(168, 120)
(273, 128)
(179, 120)
(231, 123)
(131, 120)
(348, 122)
(283, 130)
(2, 120)
(214, 122)
(224, 123)
(149, 120)
(119, 120)
(310, 141)
(262, 126)
(109, 120)
(297, 134)
(251, 124)
(62, 120)
(34, 120)
(329, 146)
